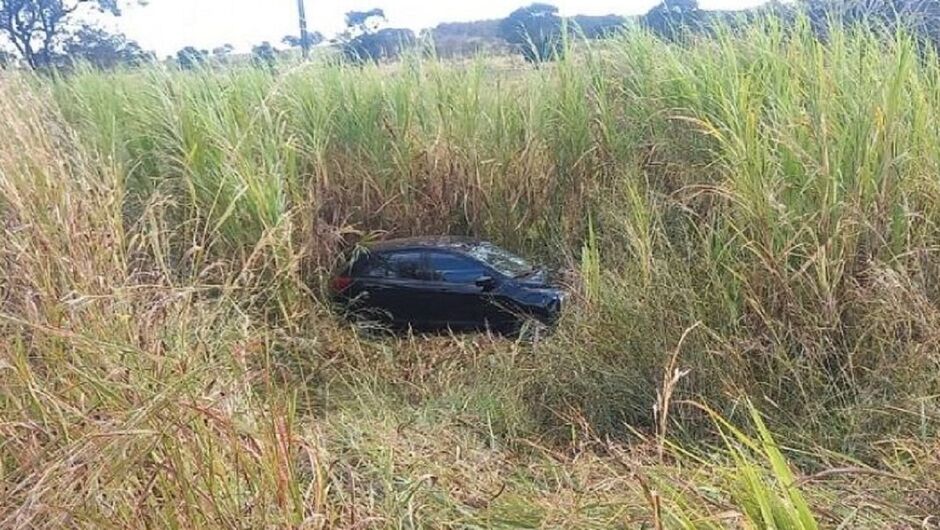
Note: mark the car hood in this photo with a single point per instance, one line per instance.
(540, 279)
(538, 290)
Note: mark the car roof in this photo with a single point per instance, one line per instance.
(441, 242)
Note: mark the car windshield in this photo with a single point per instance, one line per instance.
(501, 260)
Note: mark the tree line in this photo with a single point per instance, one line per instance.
(55, 34)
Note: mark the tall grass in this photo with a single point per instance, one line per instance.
(754, 212)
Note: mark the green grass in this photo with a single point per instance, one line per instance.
(748, 222)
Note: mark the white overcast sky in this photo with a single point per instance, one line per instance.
(168, 25)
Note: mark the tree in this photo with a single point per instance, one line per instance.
(361, 22)
(461, 39)
(264, 55)
(38, 29)
(222, 53)
(190, 58)
(672, 17)
(598, 27)
(387, 43)
(535, 31)
(920, 17)
(363, 39)
(101, 49)
(313, 38)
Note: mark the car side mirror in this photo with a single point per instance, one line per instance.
(486, 282)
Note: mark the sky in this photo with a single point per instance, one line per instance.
(165, 26)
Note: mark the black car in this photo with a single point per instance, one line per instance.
(446, 282)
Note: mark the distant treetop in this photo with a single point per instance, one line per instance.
(534, 31)
(365, 21)
(293, 41)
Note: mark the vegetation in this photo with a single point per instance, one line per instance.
(192, 58)
(671, 18)
(500, 36)
(312, 38)
(102, 49)
(466, 39)
(264, 55)
(535, 32)
(222, 54)
(365, 38)
(43, 32)
(597, 27)
(748, 220)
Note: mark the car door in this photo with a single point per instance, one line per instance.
(458, 300)
(370, 294)
(407, 292)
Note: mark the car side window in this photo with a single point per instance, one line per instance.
(453, 268)
(408, 265)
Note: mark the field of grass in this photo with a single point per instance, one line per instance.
(749, 223)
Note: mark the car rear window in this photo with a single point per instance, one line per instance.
(372, 266)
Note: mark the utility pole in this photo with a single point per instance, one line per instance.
(304, 37)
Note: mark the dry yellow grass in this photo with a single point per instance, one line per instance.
(166, 361)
